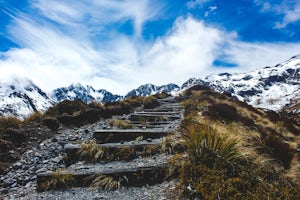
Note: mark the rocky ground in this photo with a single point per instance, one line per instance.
(20, 180)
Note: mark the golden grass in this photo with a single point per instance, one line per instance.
(91, 151)
(118, 123)
(58, 180)
(104, 182)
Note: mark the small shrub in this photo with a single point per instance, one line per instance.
(162, 95)
(223, 111)
(279, 149)
(34, 117)
(9, 122)
(16, 136)
(171, 145)
(95, 105)
(151, 102)
(66, 107)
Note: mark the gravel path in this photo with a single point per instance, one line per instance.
(20, 181)
(155, 192)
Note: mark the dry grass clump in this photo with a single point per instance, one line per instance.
(36, 116)
(90, 151)
(203, 141)
(104, 182)
(172, 144)
(58, 181)
(122, 124)
(151, 102)
(9, 122)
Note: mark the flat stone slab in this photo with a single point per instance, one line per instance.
(151, 123)
(83, 177)
(114, 151)
(157, 113)
(117, 135)
(152, 118)
(164, 109)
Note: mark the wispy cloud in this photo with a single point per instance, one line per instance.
(70, 41)
(99, 13)
(289, 11)
(195, 3)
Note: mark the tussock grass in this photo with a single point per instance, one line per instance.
(122, 124)
(58, 181)
(203, 141)
(104, 182)
(90, 151)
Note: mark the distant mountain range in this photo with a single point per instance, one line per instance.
(271, 88)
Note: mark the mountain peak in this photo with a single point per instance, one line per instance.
(270, 87)
(150, 89)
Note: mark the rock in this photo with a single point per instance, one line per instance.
(17, 165)
(45, 161)
(4, 191)
(41, 170)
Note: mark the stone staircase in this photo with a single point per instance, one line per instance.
(119, 157)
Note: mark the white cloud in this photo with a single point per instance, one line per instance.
(291, 15)
(99, 13)
(289, 9)
(195, 3)
(53, 57)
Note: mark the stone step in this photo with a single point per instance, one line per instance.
(150, 123)
(152, 118)
(111, 151)
(87, 175)
(170, 106)
(118, 135)
(163, 109)
(161, 113)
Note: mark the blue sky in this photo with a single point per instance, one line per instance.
(120, 44)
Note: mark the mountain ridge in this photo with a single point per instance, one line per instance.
(272, 87)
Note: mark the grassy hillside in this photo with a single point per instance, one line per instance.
(234, 151)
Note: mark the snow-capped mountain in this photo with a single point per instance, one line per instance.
(21, 97)
(150, 89)
(86, 93)
(270, 88)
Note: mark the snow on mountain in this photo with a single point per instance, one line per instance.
(150, 89)
(86, 93)
(21, 97)
(270, 88)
